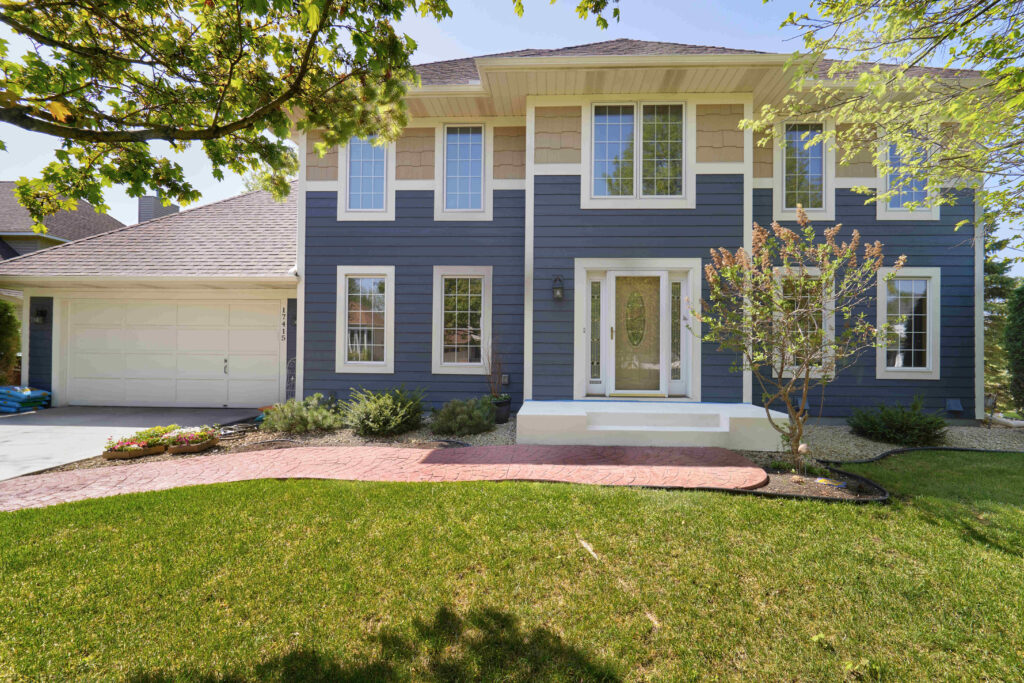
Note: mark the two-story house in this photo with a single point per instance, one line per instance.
(556, 207)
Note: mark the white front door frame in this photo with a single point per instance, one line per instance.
(632, 266)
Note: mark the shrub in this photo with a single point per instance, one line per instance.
(898, 424)
(383, 413)
(459, 418)
(10, 335)
(312, 414)
(1013, 342)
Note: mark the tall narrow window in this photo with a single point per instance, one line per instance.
(613, 150)
(677, 329)
(462, 320)
(595, 330)
(365, 319)
(365, 306)
(463, 313)
(464, 165)
(906, 309)
(367, 174)
(910, 190)
(804, 181)
(662, 163)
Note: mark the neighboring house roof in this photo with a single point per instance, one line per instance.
(6, 251)
(64, 225)
(250, 235)
(464, 71)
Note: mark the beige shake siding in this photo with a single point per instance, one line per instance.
(558, 131)
(510, 152)
(719, 138)
(414, 154)
(320, 167)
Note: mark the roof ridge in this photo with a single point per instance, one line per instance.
(134, 225)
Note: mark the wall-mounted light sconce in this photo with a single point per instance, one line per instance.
(39, 316)
(557, 289)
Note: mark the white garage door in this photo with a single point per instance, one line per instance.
(174, 353)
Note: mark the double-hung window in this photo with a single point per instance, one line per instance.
(367, 180)
(908, 194)
(365, 329)
(462, 320)
(637, 156)
(806, 319)
(908, 304)
(804, 171)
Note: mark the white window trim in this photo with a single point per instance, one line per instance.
(638, 201)
(828, 210)
(438, 366)
(341, 362)
(486, 212)
(385, 214)
(884, 212)
(828, 313)
(934, 277)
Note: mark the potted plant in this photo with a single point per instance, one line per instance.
(191, 440)
(150, 441)
(501, 400)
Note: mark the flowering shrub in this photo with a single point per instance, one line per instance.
(126, 444)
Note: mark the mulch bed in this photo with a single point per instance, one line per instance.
(792, 484)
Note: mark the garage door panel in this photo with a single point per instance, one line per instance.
(151, 313)
(252, 392)
(196, 340)
(253, 366)
(98, 365)
(97, 339)
(97, 313)
(151, 339)
(209, 366)
(154, 392)
(150, 365)
(201, 392)
(172, 352)
(98, 392)
(203, 313)
(253, 341)
(255, 314)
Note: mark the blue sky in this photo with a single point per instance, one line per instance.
(488, 26)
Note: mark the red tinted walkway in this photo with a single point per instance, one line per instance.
(611, 466)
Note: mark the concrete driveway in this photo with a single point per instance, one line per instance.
(36, 441)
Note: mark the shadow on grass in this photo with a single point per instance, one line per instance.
(486, 644)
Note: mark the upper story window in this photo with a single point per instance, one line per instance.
(464, 168)
(367, 175)
(366, 182)
(615, 164)
(804, 173)
(909, 304)
(907, 190)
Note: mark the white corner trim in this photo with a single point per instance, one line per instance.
(689, 198)
(748, 221)
(979, 311)
(486, 213)
(26, 316)
(531, 124)
(557, 169)
(341, 365)
(366, 215)
(300, 270)
(934, 313)
(438, 366)
(828, 210)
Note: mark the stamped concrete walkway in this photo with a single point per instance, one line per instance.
(611, 466)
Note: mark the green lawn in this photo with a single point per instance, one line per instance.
(315, 580)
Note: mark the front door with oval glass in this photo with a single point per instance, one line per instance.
(637, 334)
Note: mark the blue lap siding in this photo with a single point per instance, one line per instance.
(564, 232)
(414, 243)
(926, 244)
(40, 343)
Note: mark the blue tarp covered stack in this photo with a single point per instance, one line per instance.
(15, 399)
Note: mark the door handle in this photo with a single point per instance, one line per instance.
(225, 366)
(613, 334)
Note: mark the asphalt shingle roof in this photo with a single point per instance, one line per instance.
(250, 235)
(463, 71)
(67, 225)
